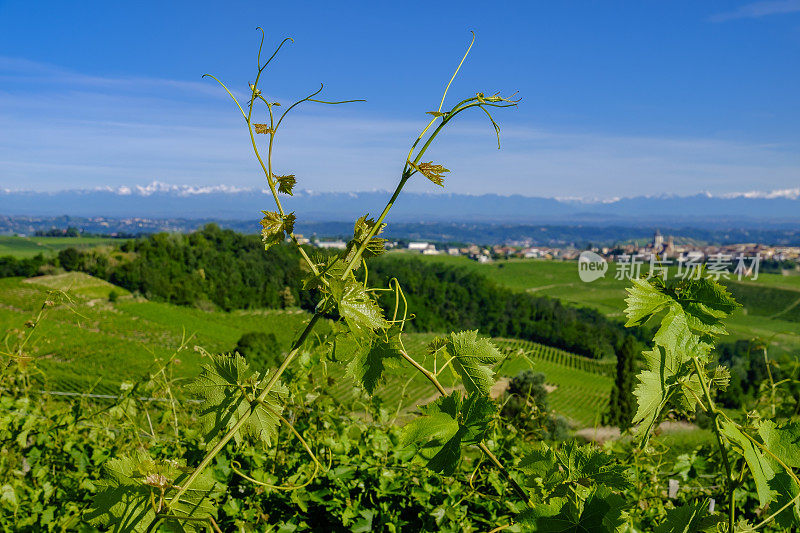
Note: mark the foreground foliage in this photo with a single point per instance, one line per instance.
(160, 456)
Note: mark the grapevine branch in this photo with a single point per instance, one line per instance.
(715, 414)
(521, 492)
(409, 169)
(229, 435)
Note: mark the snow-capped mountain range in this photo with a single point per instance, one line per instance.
(160, 200)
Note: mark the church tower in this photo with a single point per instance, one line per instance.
(658, 240)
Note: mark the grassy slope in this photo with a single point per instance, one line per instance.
(559, 279)
(94, 339)
(21, 247)
(94, 343)
(77, 283)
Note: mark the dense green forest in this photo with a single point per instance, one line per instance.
(215, 266)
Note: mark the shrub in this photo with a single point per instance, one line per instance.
(260, 349)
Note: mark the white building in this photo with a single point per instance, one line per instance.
(339, 245)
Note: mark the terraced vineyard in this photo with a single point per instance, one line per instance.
(579, 386)
(559, 357)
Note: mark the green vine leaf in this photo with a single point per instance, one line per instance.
(541, 464)
(787, 495)
(286, 183)
(584, 465)
(369, 362)
(690, 518)
(675, 334)
(783, 441)
(471, 359)
(701, 303)
(446, 425)
(275, 228)
(644, 300)
(602, 511)
(668, 377)
(229, 388)
(375, 246)
(138, 488)
(433, 172)
(570, 469)
(357, 307)
(587, 465)
(652, 394)
(759, 467)
(436, 344)
(721, 377)
(706, 304)
(694, 313)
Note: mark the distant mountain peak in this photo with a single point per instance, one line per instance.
(230, 202)
(160, 187)
(155, 187)
(791, 194)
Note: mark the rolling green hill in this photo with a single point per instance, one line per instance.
(77, 283)
(94, 344)
(21, 247)
(771, 304)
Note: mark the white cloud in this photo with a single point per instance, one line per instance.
(759, 9)
(68, 131)
(789, 194)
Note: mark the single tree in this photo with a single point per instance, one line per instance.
(622, 404)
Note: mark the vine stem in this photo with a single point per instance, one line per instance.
(267, 169)
(778, 460)
(715, 413)
(407, 173)
(771, 382)
(376, 227)
(521, 492)
(403, 179)
(260, 398)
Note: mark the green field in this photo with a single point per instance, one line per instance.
(771, 303)
(93, 344)
(21, 247)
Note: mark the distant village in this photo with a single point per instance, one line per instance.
(659, 246)
(679, 250)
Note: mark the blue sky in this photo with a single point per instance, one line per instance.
(620, 98)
